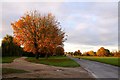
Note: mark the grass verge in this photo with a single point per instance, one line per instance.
(8, 59)
(10, 70)
(61, 61)
(108, 60)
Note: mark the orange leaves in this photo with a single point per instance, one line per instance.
(42, 30)
(103, 52)
(36, 20)
(19, 23)
(29, 47)
(33, 30)
(27, 17)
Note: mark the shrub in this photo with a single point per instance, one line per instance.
(59, 51)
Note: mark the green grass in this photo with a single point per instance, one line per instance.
(8, 59)
(61, 61)
(10, 70)
(108, 60)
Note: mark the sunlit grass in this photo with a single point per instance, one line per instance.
(108, 60)
(61, 61)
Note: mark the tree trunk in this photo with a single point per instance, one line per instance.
(37, 55)
(46, 56)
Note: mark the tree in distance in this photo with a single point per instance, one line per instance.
(103, 52)
(77, 53)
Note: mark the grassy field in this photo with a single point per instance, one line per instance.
(108, 60)
(8, 59)
(61, 61)
(10, 70)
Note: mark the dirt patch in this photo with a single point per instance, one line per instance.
(44, 71)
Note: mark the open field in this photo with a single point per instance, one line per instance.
(10, 70)
(61, 61)
(108, 60)
(8, 59)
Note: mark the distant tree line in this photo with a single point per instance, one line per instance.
(101, 53)
(9, 48)
(116, 54)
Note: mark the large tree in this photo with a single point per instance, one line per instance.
(37, 33)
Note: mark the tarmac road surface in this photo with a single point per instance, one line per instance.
(99, 70)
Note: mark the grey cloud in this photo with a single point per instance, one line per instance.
(101, 20)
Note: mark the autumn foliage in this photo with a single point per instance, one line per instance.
(116, 53)
(103, 52)
(37, 33)
(89, 53)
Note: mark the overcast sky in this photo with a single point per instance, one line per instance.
(89, 25)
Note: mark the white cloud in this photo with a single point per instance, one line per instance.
(69, 47)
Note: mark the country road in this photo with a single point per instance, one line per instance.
(99, 70)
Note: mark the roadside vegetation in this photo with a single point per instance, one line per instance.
(10, 70)
(108, 60)
(61, 61)
(102, 55)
